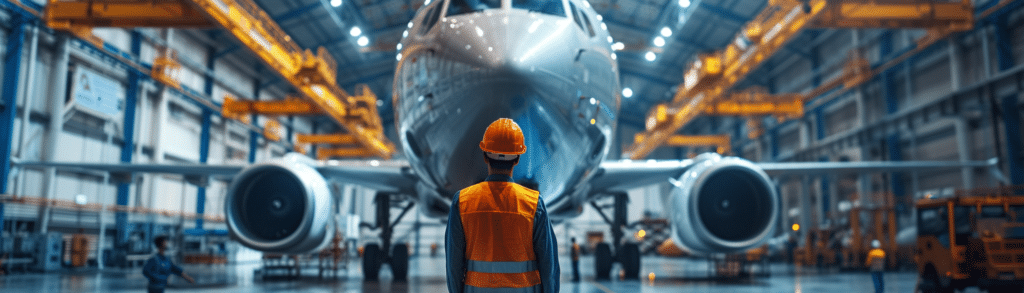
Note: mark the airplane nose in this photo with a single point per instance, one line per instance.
(516, 41)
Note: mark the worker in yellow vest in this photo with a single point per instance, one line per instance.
(876, 261)
(498, 237)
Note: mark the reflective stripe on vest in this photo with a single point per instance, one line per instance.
(531, 289)
(497, 218)
(501, 267)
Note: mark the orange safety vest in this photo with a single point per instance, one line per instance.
(876, 259)
(497, 218)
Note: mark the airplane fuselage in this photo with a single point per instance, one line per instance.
(547, 72)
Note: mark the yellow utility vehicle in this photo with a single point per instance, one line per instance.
(973, 239)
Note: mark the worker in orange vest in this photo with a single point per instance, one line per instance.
(499, 238)
(876, 261)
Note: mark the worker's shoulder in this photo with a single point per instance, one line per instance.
(526, 191)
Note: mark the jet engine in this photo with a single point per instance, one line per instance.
(281, 207)
(722, 205)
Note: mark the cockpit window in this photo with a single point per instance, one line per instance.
(553, 7)
(590, 28)
(576, 16)
(457, 7)
(430, 19)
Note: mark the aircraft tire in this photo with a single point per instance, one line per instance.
(603, 261)
(372, 258)
(630, 259)
(400, 261)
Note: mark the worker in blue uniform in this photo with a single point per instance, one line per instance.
(499, 238)
(159, 267)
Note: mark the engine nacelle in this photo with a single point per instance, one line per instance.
(722, 205)
(280, 206)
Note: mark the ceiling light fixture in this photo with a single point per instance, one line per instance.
(355, 31)
(618, 46)
(684, 3)
(650, 56)
(666, 32)
(363, 41)
(627, 92)
(335, 3)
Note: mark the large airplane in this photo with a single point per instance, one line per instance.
(549, 66)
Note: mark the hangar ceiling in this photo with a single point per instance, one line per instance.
(697, 26)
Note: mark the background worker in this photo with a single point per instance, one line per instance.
(876, 261)
(159, 267)
(498, 237)
(575, 253)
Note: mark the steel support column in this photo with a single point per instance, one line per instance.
(1014, 146)
(1004, 45)
(12, 71)
(896, 178)
(253, 135)
(128, 147)
(204, 136)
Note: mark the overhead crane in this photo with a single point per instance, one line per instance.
(712, 76)
(313, 75)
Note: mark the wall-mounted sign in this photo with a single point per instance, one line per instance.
(96, 92)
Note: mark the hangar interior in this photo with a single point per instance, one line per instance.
(238, 82)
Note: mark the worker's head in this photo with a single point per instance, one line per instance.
(161, 243)
(502, 144)
(876, 244)
(573, 239)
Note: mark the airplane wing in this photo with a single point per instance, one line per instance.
(385, 176)
(818, 168)
(627, 174)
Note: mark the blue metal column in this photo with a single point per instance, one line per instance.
(123, 189)
(1004, 45)
(1011, 116)
(773, 138)
(204, 137)
(896, 154)
(891, 107)
(12, 71)
(253, 135)
(1014, 146)
(736, 143)
(312, 147)
(826, 200)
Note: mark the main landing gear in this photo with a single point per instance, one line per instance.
(626, 254)
(375, 255)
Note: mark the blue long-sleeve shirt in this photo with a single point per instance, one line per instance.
(544, 246)
(157, 269)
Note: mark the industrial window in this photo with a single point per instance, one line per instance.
(933, 222)
(457, 7)
(431, 19)
(553, 7)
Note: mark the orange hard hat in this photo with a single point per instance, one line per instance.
(503, 137)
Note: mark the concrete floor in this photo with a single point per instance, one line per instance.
(427, 275)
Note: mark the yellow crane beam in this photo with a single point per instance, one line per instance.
(721, 142)
(64, 15)
(896, 14)
(757, 103)
(327, 153)
(313, 75)
(710, 77)
(291, 106)
(334, 139)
